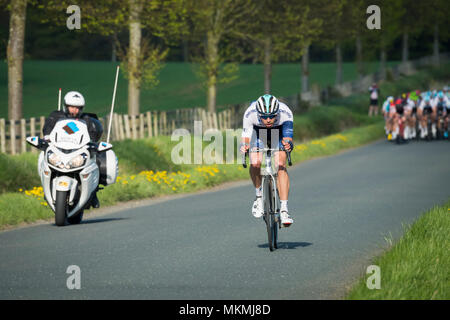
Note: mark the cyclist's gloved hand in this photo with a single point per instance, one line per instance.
(288, 145)
(243, 147)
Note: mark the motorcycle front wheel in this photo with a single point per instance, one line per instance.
(61, 207)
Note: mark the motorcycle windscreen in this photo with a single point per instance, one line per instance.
(70, 134)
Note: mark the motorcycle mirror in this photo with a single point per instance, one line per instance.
(104, 146)
(34, 141)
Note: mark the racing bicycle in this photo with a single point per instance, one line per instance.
(270, 197)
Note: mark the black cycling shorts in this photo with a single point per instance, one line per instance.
(427, 110)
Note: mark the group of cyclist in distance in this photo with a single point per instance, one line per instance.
(417, 115)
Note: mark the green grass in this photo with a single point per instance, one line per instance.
(19, 171)
(16, 208)
(417, 266)
(178, 87)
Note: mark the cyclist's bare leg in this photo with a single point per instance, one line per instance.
(255, 168)
(283, 177)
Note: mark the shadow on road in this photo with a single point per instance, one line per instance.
(287, 245)
(102, 220)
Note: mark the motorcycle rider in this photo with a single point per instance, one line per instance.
(73, 109)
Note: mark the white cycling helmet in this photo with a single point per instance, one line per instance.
(74, 98)
(267, 105)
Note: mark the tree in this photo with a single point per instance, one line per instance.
(141, 61)
(214, 23)
(278, 34)
(382, 39)
(14, 55)
(322, 12)
(434, 19)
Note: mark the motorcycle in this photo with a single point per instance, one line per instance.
(71, 169)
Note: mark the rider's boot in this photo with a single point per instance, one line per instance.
(95, 202)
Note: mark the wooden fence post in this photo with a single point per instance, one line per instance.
(121, 127)
(2, 135)
(165, 123)
(23, 135)
(127, 126)
(214, 119)
(133, 127)
(155, 123)
(149, 124)
(141, 126)
(33, 132)
(12, 130)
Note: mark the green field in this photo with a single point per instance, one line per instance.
(178, 87)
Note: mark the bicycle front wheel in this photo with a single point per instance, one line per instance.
(269, 218)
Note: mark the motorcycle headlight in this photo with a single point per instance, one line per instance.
(53, 158)
(78, 161)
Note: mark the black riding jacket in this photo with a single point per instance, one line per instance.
(94, 126)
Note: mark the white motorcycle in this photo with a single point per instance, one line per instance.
(71, 169)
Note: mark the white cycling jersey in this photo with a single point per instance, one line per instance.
(284, 121)
(386, 106)
(409, 105)
(424, 103)
(434, 102)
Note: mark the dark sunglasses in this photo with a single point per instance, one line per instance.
(268, 117)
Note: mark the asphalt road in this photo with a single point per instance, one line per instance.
(208, 246)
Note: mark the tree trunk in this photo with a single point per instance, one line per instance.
(305, 70)
(267, 65)
(383, 63)
(185, 48)
(15, 52)
(134, 53)
(212, 60)
(113, 47)
(338, 63)
(359, 57)
(405, 52)
(436, 45)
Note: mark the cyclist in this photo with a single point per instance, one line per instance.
(73, 109)
(415, 98)
(387, 105)
(426, 111)
(399, 120)
(439, 105)
(408, 106)
(268, 120)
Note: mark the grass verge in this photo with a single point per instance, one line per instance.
(417, 266)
